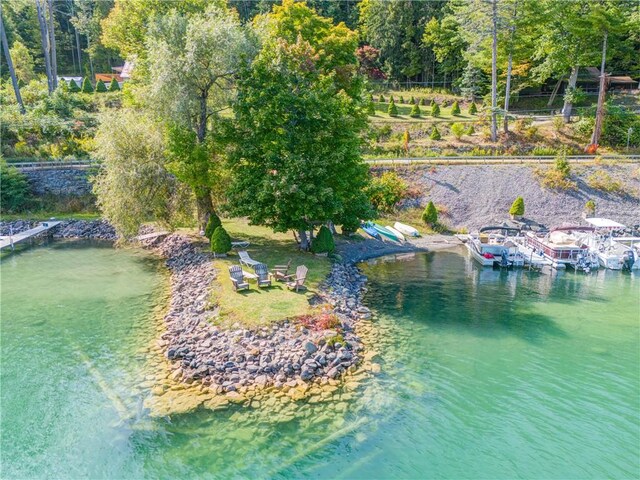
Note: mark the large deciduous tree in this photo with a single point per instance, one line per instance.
(300, 108)
(193, 61)
(134, 186)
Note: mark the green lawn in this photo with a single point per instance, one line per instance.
(255, 306)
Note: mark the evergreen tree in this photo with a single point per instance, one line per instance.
(424, 102)
(213, 223)
(435, 134)
(381, 99)
(73, 86)
(473, 109)
(101, 87)
(220, 241)
(323, 242)
(517, 208)
(392, 110)
(401, 100)
(86, 86)
(455, 108)
(371, 109)
(430, 214)
(471, 130)
(114, 86)
(415, 111)
(435, 109)
(413, 100)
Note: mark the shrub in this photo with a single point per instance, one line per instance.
(213, 223)
(562, 165)
(381, 99)
(435, 134)
(517, 207)
(540, 151)
(412, 101)
(435, 109)
(320, 322)
(455, 108)
(531, 132)
(521, 124)
(220, 241)
(371, 109)
(471, 130)
(415, 111)
(101, 87)
(86, 86)
(557, 177)
(392, 110)
(423, 102)
(14, 189)
(616, 125)
(401, 99)
(323, 241)
(473, 109)
(590, 207)
(386, 191)
(430, 214)
(350, 227)
(406, 138)
(558, 124)
(114, 86)
(73, 86)
(601, 180)
(458, 130)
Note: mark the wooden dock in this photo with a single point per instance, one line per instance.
(8, 241)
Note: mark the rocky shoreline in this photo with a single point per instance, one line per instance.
(236, 359)
(234, 363)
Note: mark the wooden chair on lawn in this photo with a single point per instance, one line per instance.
(280, 272)
(237, 278)
(264, 280)
(297, 281)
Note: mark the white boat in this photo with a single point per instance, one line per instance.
(614, 252)
(397, 233)
(531, 257)
(406, 229)
(489, 247)
(564, 247)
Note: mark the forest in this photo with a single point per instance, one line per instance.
(309, 88)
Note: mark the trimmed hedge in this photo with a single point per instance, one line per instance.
(220, 241)
(517, 208)
(430, 214)
(323, 241)
(213, 223)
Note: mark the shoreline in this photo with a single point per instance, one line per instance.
(240, 365)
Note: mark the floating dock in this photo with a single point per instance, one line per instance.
(8, 241)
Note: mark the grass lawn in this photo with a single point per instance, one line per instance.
(255, 307)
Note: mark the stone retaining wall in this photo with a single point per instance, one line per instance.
(60, 181)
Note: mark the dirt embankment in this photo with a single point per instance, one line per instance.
(474, 196)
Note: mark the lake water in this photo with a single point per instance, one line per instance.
(484, 374)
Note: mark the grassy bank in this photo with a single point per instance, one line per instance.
(255, 307)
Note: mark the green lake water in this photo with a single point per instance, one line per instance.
(484, 374)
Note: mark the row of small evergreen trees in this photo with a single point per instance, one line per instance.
(392, 109)
(86, 87)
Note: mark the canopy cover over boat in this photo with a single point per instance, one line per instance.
(604, 223)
